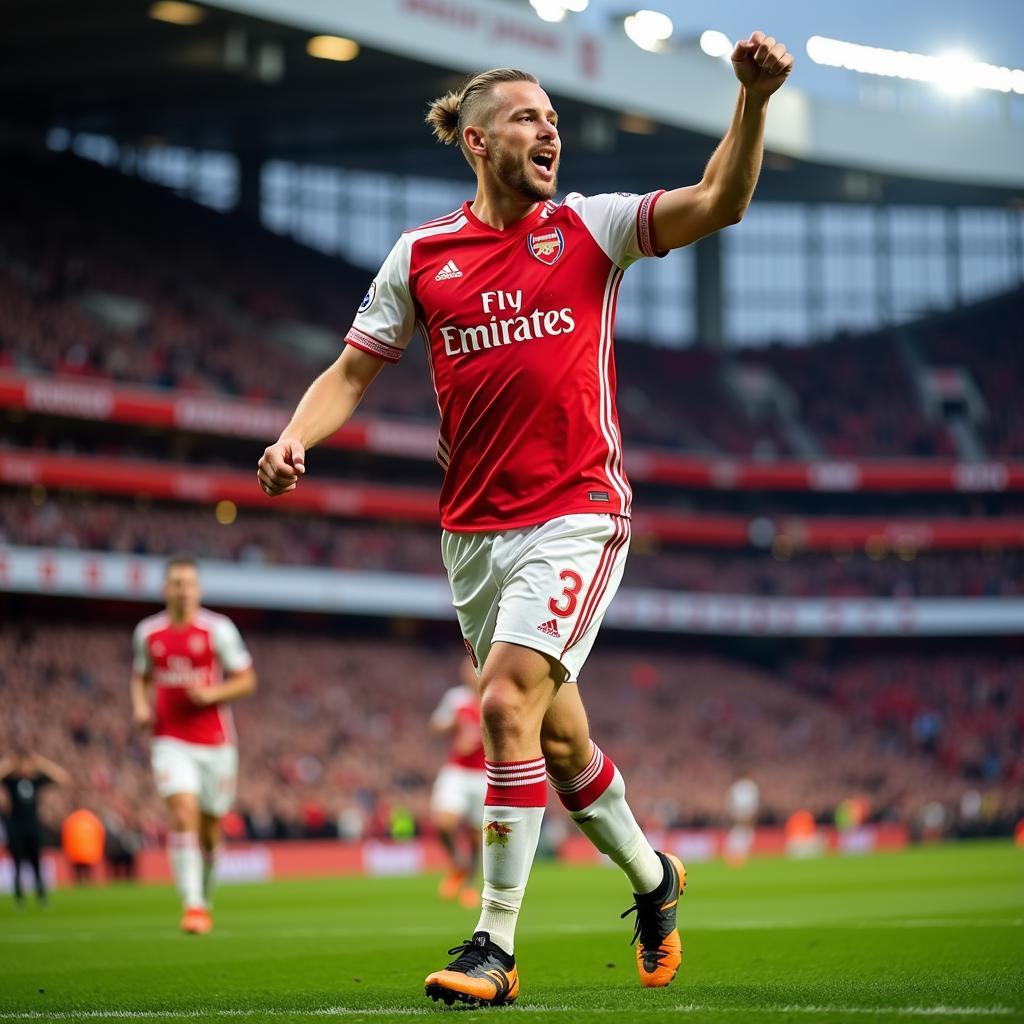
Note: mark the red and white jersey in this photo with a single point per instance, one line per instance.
(518, 325)
(174, 658)
(459, 710)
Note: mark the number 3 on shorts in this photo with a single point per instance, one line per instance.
(570, 592)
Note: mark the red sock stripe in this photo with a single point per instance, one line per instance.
(579, 781)
(600, 583)
(516, 784)
(589, 784)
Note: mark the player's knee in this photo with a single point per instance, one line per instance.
(503, 710)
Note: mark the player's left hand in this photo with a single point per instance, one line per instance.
(761, 64)
(202, 696)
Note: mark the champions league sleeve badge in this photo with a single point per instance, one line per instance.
(546, 246)
(368, 297)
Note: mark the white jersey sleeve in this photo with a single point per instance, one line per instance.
(443, 716)
(386, 318)
(228, 644)
(142, 664)
(621, 223)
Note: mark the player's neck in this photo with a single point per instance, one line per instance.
(181, 618)
(498, 208)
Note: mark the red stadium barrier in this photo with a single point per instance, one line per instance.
(90, 399)
(262, 862)
(419, 505)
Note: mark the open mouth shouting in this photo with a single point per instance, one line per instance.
(545, 160)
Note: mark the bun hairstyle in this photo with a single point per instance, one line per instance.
(449, 114)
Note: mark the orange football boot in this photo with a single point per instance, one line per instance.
(660, 950)
(197, 921)
(451, 884)
(482, 974)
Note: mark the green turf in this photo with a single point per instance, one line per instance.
(932, 932)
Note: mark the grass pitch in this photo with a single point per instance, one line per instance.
(933, 932)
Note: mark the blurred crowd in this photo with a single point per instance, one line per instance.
(964, 711)
(335, 741)
(279, 538)
(105, 276)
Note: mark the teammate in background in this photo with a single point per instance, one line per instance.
(23, 776)
(189, 663)
(744, 800)
(457, 802)
(515, 297)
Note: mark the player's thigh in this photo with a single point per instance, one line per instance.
(560, 580)
(218, 779)
(175, 767)
(18, 843)
(475, 591)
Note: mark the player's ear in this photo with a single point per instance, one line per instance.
(476, 141)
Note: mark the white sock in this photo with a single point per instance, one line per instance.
(596, 801)
(209, 874)
(187, 867)
(513, 811)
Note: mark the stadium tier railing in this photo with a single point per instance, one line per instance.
(93, 574)
(170, 482)
(97, 400)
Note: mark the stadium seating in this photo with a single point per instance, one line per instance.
(336, 739)
(202, 303)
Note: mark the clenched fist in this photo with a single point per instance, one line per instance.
(281, 466)
(761, 64)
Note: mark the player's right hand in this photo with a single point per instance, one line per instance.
(142, 715)
(281, 466)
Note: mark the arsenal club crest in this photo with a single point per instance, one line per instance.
(546, 246)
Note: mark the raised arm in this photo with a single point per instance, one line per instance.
(325, 407)
(722, 196)
(52, 771)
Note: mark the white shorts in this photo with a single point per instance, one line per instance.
(460, 791)
(546, 587)
(210, 772)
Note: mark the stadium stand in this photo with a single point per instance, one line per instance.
(335, 740)
(178, 302)
(103, 278)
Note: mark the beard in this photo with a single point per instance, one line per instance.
(512, 171)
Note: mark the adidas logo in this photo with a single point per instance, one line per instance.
(550, 627)
(448, 271)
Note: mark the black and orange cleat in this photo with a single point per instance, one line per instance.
(659, 951)
(482, 974)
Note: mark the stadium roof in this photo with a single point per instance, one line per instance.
(246, 84)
